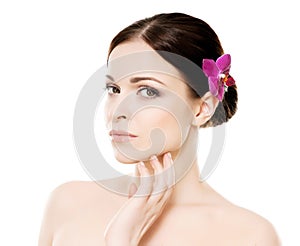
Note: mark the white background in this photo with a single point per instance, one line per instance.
(48, 50)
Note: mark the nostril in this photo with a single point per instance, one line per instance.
(121, 116)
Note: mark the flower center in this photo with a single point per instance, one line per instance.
(224, 77)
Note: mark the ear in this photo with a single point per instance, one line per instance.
(204, 109)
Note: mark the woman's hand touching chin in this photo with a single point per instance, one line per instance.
(143, 207)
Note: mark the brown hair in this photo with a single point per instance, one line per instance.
(186, 36)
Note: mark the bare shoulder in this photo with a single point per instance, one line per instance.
(61, 202)
(69, 191)
(260, 230)
(73, 195)
(69, 199)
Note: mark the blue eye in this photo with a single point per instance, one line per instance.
(148, 92)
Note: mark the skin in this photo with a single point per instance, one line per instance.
(186, 213)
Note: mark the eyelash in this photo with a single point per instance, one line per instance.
(141, 88)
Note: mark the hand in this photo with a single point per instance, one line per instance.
(140, 211)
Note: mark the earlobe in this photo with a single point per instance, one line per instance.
(208, 105)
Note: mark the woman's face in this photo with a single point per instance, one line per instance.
(141, 102)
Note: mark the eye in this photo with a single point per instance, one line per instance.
(148, 92)
(112, 89)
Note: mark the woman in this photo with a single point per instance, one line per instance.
(168, 205)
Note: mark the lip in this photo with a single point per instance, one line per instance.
(121, 136)
(121, 133)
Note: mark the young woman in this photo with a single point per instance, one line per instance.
(168, 205)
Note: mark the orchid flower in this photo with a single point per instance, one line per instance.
(218, 75)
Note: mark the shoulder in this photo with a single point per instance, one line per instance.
(259, 229)
(265, 233)
(60, 200)
(66, 200)
(70, 196)
(71, 190)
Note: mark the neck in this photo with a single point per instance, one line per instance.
(189, 190)
(188, 187)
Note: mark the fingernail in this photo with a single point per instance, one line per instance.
(169, 155)
(153, 157)
(141, 166)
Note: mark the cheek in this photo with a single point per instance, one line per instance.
(106, 112)
(147, 120)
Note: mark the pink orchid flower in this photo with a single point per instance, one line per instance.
(218, 75)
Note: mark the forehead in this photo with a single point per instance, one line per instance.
(128, 47)
(136, 56)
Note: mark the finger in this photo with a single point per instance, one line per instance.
(132, 190)
(136, 171)
(157, 166)
(170, 170)
(146, 181)
(159, 184)
(169, 177)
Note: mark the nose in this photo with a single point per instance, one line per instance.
(115, 114)
(119, 121)
(119, 108)
(115, 118)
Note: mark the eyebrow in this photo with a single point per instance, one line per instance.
(109, 77)
(137, 79)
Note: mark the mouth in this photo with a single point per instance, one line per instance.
(121, 136)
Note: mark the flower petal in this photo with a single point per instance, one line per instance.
(223, 62)
(210, 68)
(220, 93)
(213, 85)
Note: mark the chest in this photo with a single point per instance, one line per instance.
(174, 228)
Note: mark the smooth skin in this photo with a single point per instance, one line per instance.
(130, 226)
(188, 212)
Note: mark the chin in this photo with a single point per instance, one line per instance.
(123, 159)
